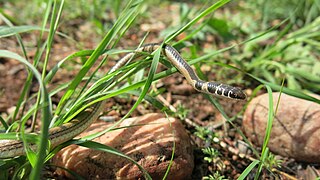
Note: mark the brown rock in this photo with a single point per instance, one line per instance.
(150, 144)
(296, 127)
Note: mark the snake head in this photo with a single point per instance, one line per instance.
(219, 89)
(237, 93)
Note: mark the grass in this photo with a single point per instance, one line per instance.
(278, 66)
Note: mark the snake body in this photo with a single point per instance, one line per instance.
(67, 131)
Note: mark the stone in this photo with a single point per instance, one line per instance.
(296, 126)
(149, 141)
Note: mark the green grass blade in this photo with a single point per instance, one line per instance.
(146, 83)
(131, 9)
(28, 81)
(276, 87)
(40, 158)
(172, 154)
(4, 123)
(55, 69)
(6, 31)
(264, 152)
(155, 102)
(196, 19)
(288, 91)
(245, 173)
(45, 101)
(270, 119)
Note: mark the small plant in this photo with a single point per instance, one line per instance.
(205, 134)
(215, 176)
(211, 154)
(272, 162)
(182, 112)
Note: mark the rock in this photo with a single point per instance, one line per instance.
(296, 127)
(150, 144)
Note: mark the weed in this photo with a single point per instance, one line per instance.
(215, 176)
(272, 162)
(182, 112)
(205, 134)
(211, 154)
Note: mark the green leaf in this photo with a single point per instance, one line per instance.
(45, 99)
(221, 26)
(6, 31)
(245, 173)
(197, 18)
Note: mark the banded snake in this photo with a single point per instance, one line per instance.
(67, 131)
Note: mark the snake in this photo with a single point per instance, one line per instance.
(67, 131)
